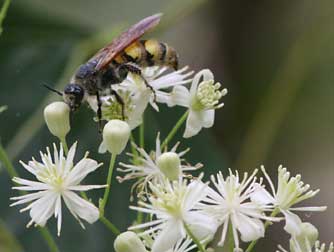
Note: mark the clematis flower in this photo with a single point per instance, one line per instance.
(58, 179)
(148, 168)
(173, 205)
(136, 94)
(306, 241)
(202, 99)
(230, 204)
(290, 191)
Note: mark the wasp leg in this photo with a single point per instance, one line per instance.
(99, 111)
(125, 68)
(119, 99)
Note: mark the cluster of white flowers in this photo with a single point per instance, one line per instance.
(201, 99)
(181, 210)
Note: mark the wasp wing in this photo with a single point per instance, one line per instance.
(106, 54)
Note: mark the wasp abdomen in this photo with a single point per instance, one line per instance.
(149, 53)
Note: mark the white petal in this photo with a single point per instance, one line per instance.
(85, 187)
(43, 208)
(168, 237)
(193, 124)
(208, 118)
(102, 148)
(82, 208)
(201, 225)
(69, 158)
(206, 74)
(28, 197)
(81, 170)
(250, 229)
(261, 196)
(292, 223)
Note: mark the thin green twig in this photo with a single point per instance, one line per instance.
(3, 13)
(110, 225)
(49, 239)
(174, 130)
(194, 238)
(104, 201)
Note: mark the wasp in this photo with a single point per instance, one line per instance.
(111, 65)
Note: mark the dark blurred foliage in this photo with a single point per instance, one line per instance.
(275, 58)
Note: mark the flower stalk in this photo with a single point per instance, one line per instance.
(104, 201)
(174, 130)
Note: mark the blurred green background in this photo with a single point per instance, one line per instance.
(275, 57)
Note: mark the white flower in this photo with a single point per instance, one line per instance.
(306, 241)
(183, 245)
(231, 204)
(136, 94)
(158, 81)
(202, 99)
(290, 191)
(58, 178)
(172, 205)
(147, 170)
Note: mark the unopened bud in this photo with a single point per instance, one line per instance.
(116, 134)
(57, 118)
(169, 164)
(128, 242)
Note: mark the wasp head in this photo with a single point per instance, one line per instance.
(73, 96)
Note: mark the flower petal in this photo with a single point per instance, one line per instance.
(82, 208)
(81, 170)
(43, 208)
(208, 118)
(194, 124)
(168, 237)
(201, 225)
(250, 229)
(292, 222)
(261, 196)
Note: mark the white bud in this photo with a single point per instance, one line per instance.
(116, 134)
(128, 242)
(57, 118)
(169, 164)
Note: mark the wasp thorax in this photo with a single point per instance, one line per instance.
(208, 95)
(73, 96)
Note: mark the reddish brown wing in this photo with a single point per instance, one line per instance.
(106, 54)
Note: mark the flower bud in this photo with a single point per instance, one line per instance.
(116, 134)
(128, 242)
(169, 164)
(57, 118)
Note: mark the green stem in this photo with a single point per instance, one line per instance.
(13, 173)
(174, 130)
(142, 135)
(48, 238)
(107, 190)
(266, 224)
(3, 13)
(109, 225)
(7, 163)
(64, 143)
(193, 237)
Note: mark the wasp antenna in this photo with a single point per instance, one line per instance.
(53, 90)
